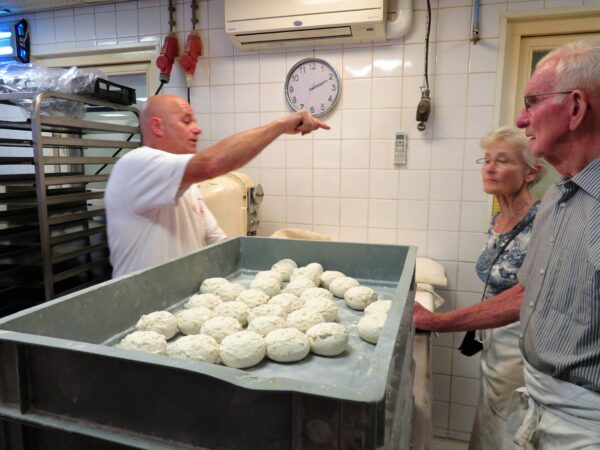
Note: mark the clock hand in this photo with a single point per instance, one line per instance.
(314, 86)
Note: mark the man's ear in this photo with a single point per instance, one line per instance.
(578, 109)
(533, 173)
(156, 126)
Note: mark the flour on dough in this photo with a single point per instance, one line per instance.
(199, 347)
(303, 319)
(266, 310)
(369, 327)
(379, 307)
(359, 297)
(324, 306)
(298, 285)
(162, 322)
(289, 302)
(316, 292)
(287, 345)
(210, 285)
(242, 349)
(268, 285)
(189, 321)
(263, 325)
(309, 273)
(285, 267)
(219, 327)
(235, 309)
(327, 339)
(253, 298)
(145, 341)
(339, 286)
(229, 291)
(206, 300)
(328, 276)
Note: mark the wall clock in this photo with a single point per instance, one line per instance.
(313, 84)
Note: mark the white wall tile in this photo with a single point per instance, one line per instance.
(383, 184)
(472, 153)
(85, 28)
(416, 34)
(353, 212)
(453, 24)
(222, 99)
(299, 154)
(221, 70)
(442, 245)
(465, 366)
(272, 68)
(413, 214)
(274, 156)
(247, 98)
(385, 123)
(247, 121)
(353, 234)
(414, 58)
(440, 415)
(222, 125)
(449, 122)
(356, 124)
(354, 183)
(468, 279)
(479, 121)
(470, 246)
(483, 57)
(381, 236)
(246, 69)
(326, 211)
(127, 22)
(149, 20)
(473, 187)
(299, 182)
(334, 120)
(299, 210)
(490, 20)
(382, 154)
(387, 92)
(333, 231)
(219, 44)
(326, 154)
(447, 154)
(326, 183)
(452, 57)
(444, 215)
(216, 13)
(441, 387)
(419, 154)
(387, 60)
(525, 5)
(356, 94)
(355, 154)
(450, 90)
(64, 29)
(417, 238)
(441, 360)
(272, 97)
(273, 182)
(481, 89)
(474, 216)
(106, 26)
(446, 185)
(413, 185)
(462, 417)
(358, 63)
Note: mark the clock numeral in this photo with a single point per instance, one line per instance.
(330, 76)
(296, 77)
(291, 88)
(301, 105)
(322, 106)
(313, 66)
(312, 109)
(294, 100)
(330, 98)
(333, 87)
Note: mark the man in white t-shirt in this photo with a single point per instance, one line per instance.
(154, 211)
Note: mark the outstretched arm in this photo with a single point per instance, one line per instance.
(235, 151)
(496, 311)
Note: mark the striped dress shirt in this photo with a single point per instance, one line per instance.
(560, 311)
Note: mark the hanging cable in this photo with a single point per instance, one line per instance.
(424, 106)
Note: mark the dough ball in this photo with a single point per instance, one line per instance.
(199, 347)
(210, 285)
(263, 325)
(229, 292)
(270, 274)
(298, 285)
(369, 327)
(315, 267)
(315, 292)
(253, 298)
(327, 339)
(145, 341)
(205, 300)
(339, 286)
(219, 327)
(190, 321)
(359, 297)
(162, 322)
(289, 302)
(285, 267)
(304, 318)
(287, 345)
(379, 307)
(268, 285)
(242, 349)
(324, 306)
(235, 309)
(266, 310)
(308, 273)
(328, 276)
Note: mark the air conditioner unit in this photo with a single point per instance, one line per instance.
(285, 23)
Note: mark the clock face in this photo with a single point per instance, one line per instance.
(312, 84)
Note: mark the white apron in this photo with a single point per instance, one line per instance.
(501, 374)
(555, 415)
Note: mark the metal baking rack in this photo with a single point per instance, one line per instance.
(53, 170)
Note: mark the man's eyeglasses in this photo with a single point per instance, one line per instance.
(531, 100)
(500, 163)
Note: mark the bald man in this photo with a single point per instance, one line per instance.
(154, 211)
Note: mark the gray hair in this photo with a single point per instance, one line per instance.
(516, 139)
(577, 66)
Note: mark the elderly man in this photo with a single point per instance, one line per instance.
(559, 282)
(154, 211)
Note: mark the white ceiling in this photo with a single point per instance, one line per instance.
(21, 6)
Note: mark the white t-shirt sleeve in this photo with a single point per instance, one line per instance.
(213, 232)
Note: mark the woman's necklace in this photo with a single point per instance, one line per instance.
(509, 219)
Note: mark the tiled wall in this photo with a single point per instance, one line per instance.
(343, 182)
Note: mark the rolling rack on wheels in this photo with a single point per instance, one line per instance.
(53, 170)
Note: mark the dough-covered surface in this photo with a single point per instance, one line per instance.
(145, 341)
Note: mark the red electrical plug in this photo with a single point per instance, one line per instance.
(168, 53)
(193, 50)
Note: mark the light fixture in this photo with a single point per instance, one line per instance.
(14, 42)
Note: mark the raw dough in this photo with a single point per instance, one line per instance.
(359, 297)
(162, 322)
(315, 267)
(266, 310)
(285, 267)
(324, 306)
(327, 339)
(206, 300)
(242, 349)
(263, 325)
(298, 285)
(369, 327)
(228, 292)
(270, 273)
(199, 347)
(189, 321)
(235, 309)
(289, 302)
(210, 285)
(219, 327)
(339, 286)
(304, 318)
(145, 341)
(287, 345)
(328, 276)
(378, 307)
(316, 292)
(268, 285)
(253, 298)
(308, 273)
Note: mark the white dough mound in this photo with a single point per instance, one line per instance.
(235, 309)
(324, 306)
(220, 327)
(327, 339)
(316, 292)
(199, 347)
(263, 325)
(268, 285)
(190, 321)
(210, 285)
(242, 349)
(253, 298)
(304, 318)
(298, 285)
(229, 291)
(205, 300)
(328, 276)
(287, 345)
(289, 302)
(162, 322)
(359, 297)
(339, 286)
(266, 310)
(315, 267)
(270, 274)
(285, 267)
(379, 307)
(145, 341)
(307, 272)
(369, 327)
